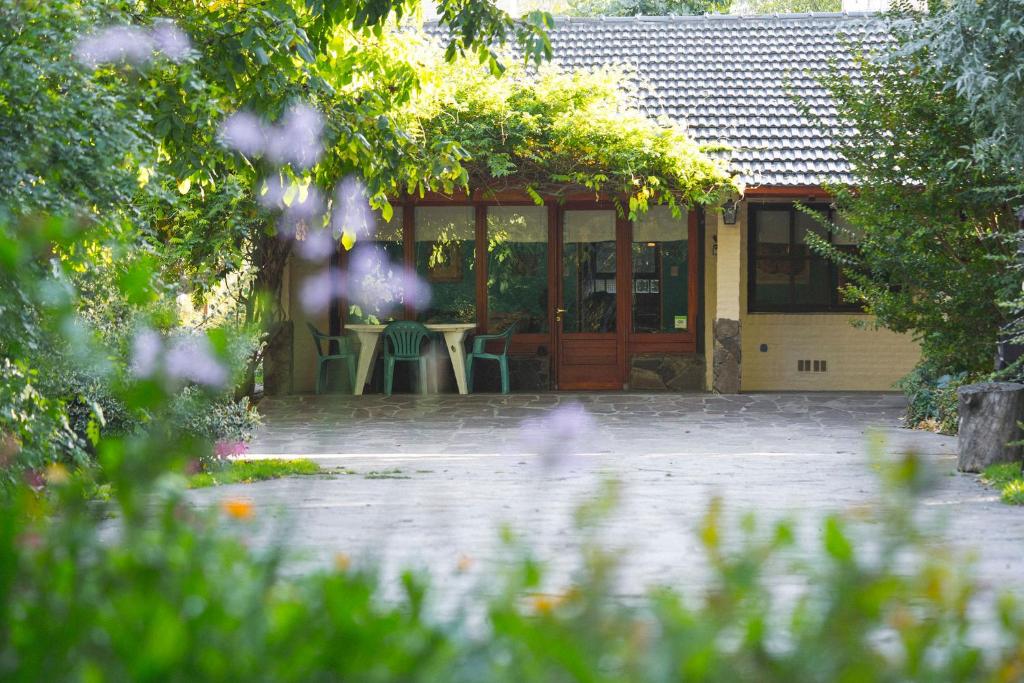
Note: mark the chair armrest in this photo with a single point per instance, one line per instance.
(481, 339)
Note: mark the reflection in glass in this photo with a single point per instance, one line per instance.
(374, 264)
(588, 271)
(445, 258)
(517, 268)
(660, 275)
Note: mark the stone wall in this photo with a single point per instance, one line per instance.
(527, 373)
(662, 372)
(728, 357)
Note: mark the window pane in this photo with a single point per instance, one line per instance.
(588, 271)
(445, 258)
(660, 282)
(517, 268)
(812, 279)
(374, 266)
(774, 267)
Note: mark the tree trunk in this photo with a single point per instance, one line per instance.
(990, 413)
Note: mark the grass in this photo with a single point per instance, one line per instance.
(386, 474)
(248, 471)
(1008, 479)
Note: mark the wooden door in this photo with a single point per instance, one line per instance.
(589, 329)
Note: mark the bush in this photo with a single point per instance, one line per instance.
(932, 400)
(179, 595)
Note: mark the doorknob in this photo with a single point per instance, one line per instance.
(558, 314)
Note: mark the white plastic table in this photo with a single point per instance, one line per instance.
(369, 343)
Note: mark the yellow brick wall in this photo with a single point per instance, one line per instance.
(856, 359)
(304, 358)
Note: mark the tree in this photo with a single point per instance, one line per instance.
(785, 6)
(933, 220)
(630, 8)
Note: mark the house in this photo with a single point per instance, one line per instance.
(722, 300)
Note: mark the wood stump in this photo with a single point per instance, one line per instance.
(989, 417)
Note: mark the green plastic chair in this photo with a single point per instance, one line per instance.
(403, 341)
(345, 353)
(479, 346)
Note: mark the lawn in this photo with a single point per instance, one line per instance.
(248, 471)
(1008, 479)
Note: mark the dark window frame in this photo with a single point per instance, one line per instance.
(835, 303)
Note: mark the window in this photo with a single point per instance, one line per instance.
(374, 266)
(517, 268)
(785, 273)
(589, 270)
(660, 272)
(445, 258)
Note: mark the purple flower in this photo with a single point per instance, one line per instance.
(296, 139)
(191, 359)
(376, 284)
(317, 245)
(170, 40)
(243, 132)
(146, 350)
(352, 213)
(129, 44)
(559, 436)
(317, 291)
(133, 44)
(228, 449)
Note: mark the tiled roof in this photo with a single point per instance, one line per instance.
(725, 77)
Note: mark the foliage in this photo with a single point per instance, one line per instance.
(785, 6)
(1008, 479)
(931, 398)
(935, 231)
(554, 132)
(654, 8)
(248, 471)
(213, 418)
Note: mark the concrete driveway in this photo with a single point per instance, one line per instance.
(429, 481)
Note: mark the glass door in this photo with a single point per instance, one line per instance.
(587, 316)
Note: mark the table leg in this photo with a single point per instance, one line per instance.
(453, 340)
(367, 356)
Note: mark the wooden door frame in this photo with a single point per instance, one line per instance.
(623, 271)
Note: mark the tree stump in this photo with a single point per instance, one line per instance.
(989, 417)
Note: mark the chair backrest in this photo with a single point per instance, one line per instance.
(403, 339)
(317, 336)
(506, 336)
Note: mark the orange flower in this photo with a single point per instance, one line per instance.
(342, 562)
(238, 508)
(464, 563)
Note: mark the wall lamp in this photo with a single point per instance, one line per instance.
(730, 211)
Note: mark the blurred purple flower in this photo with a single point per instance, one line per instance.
(192, 359)
(317, 245)
(352, 211)
(243, 132)
(558, 436)
(133, 44)
(318, 290)
(170, 40)
(376, 284)
(296, 139)
(129, 44)
(147, 346)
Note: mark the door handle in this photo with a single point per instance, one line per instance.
(558, 314)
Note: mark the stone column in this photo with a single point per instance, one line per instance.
(727, 366)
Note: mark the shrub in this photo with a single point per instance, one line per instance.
(932, 400)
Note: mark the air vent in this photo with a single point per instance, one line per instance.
(811, 366)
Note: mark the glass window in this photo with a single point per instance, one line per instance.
(445, 258)
(588, 271)
(786, 273)
(374, 267)
(517, 268)
(660, 275)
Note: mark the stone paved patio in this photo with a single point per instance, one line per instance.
(429, 481)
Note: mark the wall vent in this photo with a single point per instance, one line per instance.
(811, 366)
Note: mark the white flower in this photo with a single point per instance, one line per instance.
(352, 211)
(147, 347)
(170, 40)
(243, 132)
(559, 436)
(129, 44)
(296, 139)
(317, 291)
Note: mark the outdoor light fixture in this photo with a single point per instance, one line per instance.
(729, 211)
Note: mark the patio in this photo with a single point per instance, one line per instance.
(428, 481)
